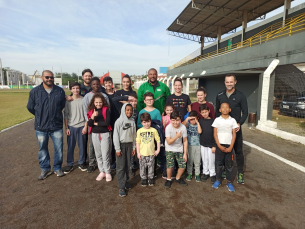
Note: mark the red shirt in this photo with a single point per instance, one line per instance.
(195, 107)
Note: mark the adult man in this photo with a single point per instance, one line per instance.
(239, 111)
(46, 102)
(159, 89)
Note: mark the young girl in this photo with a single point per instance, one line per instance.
(201, 94)
(168, 109)
(126, 83)
(99, 123)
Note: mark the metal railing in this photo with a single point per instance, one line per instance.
(279, 29)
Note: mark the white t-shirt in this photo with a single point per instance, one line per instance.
(171, 132)
(224, 129)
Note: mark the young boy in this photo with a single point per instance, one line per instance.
(175, 149)
(208, 145)
(146, 149)
(201, 94)
(154, 113)
(224, 135)
(76, 128)
(193, 151)
(124, 136)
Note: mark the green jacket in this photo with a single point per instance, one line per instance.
(160, 95)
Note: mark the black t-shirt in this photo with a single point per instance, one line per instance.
(180, 103)
(123, 92)
(207, 137)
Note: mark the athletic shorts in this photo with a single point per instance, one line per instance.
(170, 159)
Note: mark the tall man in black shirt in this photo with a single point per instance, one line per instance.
(239, 111)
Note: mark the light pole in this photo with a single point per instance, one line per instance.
(1, 72)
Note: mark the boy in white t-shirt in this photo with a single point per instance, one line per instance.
(224, 135)
(175, 149)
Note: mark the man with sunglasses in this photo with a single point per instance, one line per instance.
(46, 103)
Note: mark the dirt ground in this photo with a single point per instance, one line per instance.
(273, 195)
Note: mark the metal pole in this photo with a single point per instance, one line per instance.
(1, 72)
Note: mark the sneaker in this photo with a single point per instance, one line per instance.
(113, 167)
(204, 178)
(127, 186)
(44, 174)
(164, 175)
(213, 179)
(223, 175)
(240, 178)
(181, 182)
(189, 177)
(151, 182)
(68, 169)
(101, 176)
(216, 184)
(197, 177)
(91, 169)
(59, 173)
(174, 175)
(108, 177)
(144, 183)
(167, 184)
(122, 193)
(230, 187)
(82, 167)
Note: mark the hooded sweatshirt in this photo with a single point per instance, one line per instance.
(124, 130)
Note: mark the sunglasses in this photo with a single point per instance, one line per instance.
(49, 77)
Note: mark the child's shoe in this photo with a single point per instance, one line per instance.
(230, 187)
(216, 184)
(151, 182)
(181, 182)
(213, 179)
(108, 177)
(189, 177)
(68, 169)
(240, 178)
(167, 184)
(223, 175)
(122, 193)
(164, 175)
(113, 167)
(144, 182)
(204, 178)
(197, 177)
(101, 176)
(127, 186)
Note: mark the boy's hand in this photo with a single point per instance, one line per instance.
(68, 133)
(223, 149)
(213, 149)
(156, 153)
(84, 131)
(228, 150)
(119, 153)
(178, 135)
(139, 156)
(69, 98)
(196, 119)
(185, 157)
(133, 153)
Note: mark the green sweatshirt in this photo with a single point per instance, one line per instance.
(161, 93)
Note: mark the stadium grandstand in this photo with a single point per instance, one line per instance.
(267, 57)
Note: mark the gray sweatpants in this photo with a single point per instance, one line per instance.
(193, 156)
(123, 164)
(147, 167)
(101, 148)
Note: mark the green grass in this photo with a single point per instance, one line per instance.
(13, 107)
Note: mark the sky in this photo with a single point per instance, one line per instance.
(123, 35)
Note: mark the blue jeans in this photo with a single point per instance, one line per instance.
(43, 153)
(76, 134)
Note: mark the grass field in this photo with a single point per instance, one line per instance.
(13, 107)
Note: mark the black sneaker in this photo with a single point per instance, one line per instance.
(151, 182)
(144, 183)
(68, 169)
(82, 167)
(167, 184)
(164, 175)
(181, 182)
(204, 177)
(213, 179)
(91, 169)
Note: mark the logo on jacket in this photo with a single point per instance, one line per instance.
(127, 126)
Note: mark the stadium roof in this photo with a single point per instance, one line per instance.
(202, 17)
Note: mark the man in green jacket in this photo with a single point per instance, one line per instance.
(159, 89)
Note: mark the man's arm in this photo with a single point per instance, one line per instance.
(31, 103)
(244, 109)
(140, 104)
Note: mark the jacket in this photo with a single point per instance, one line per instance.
(161, 93)
(47, 108)
(159, 127)
(238, 104)
(124, 130)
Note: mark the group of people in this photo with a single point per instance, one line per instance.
(128, 130)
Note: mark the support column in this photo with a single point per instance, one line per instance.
(218, 37)
(287, 6)
(202, 44)
(244, 25)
